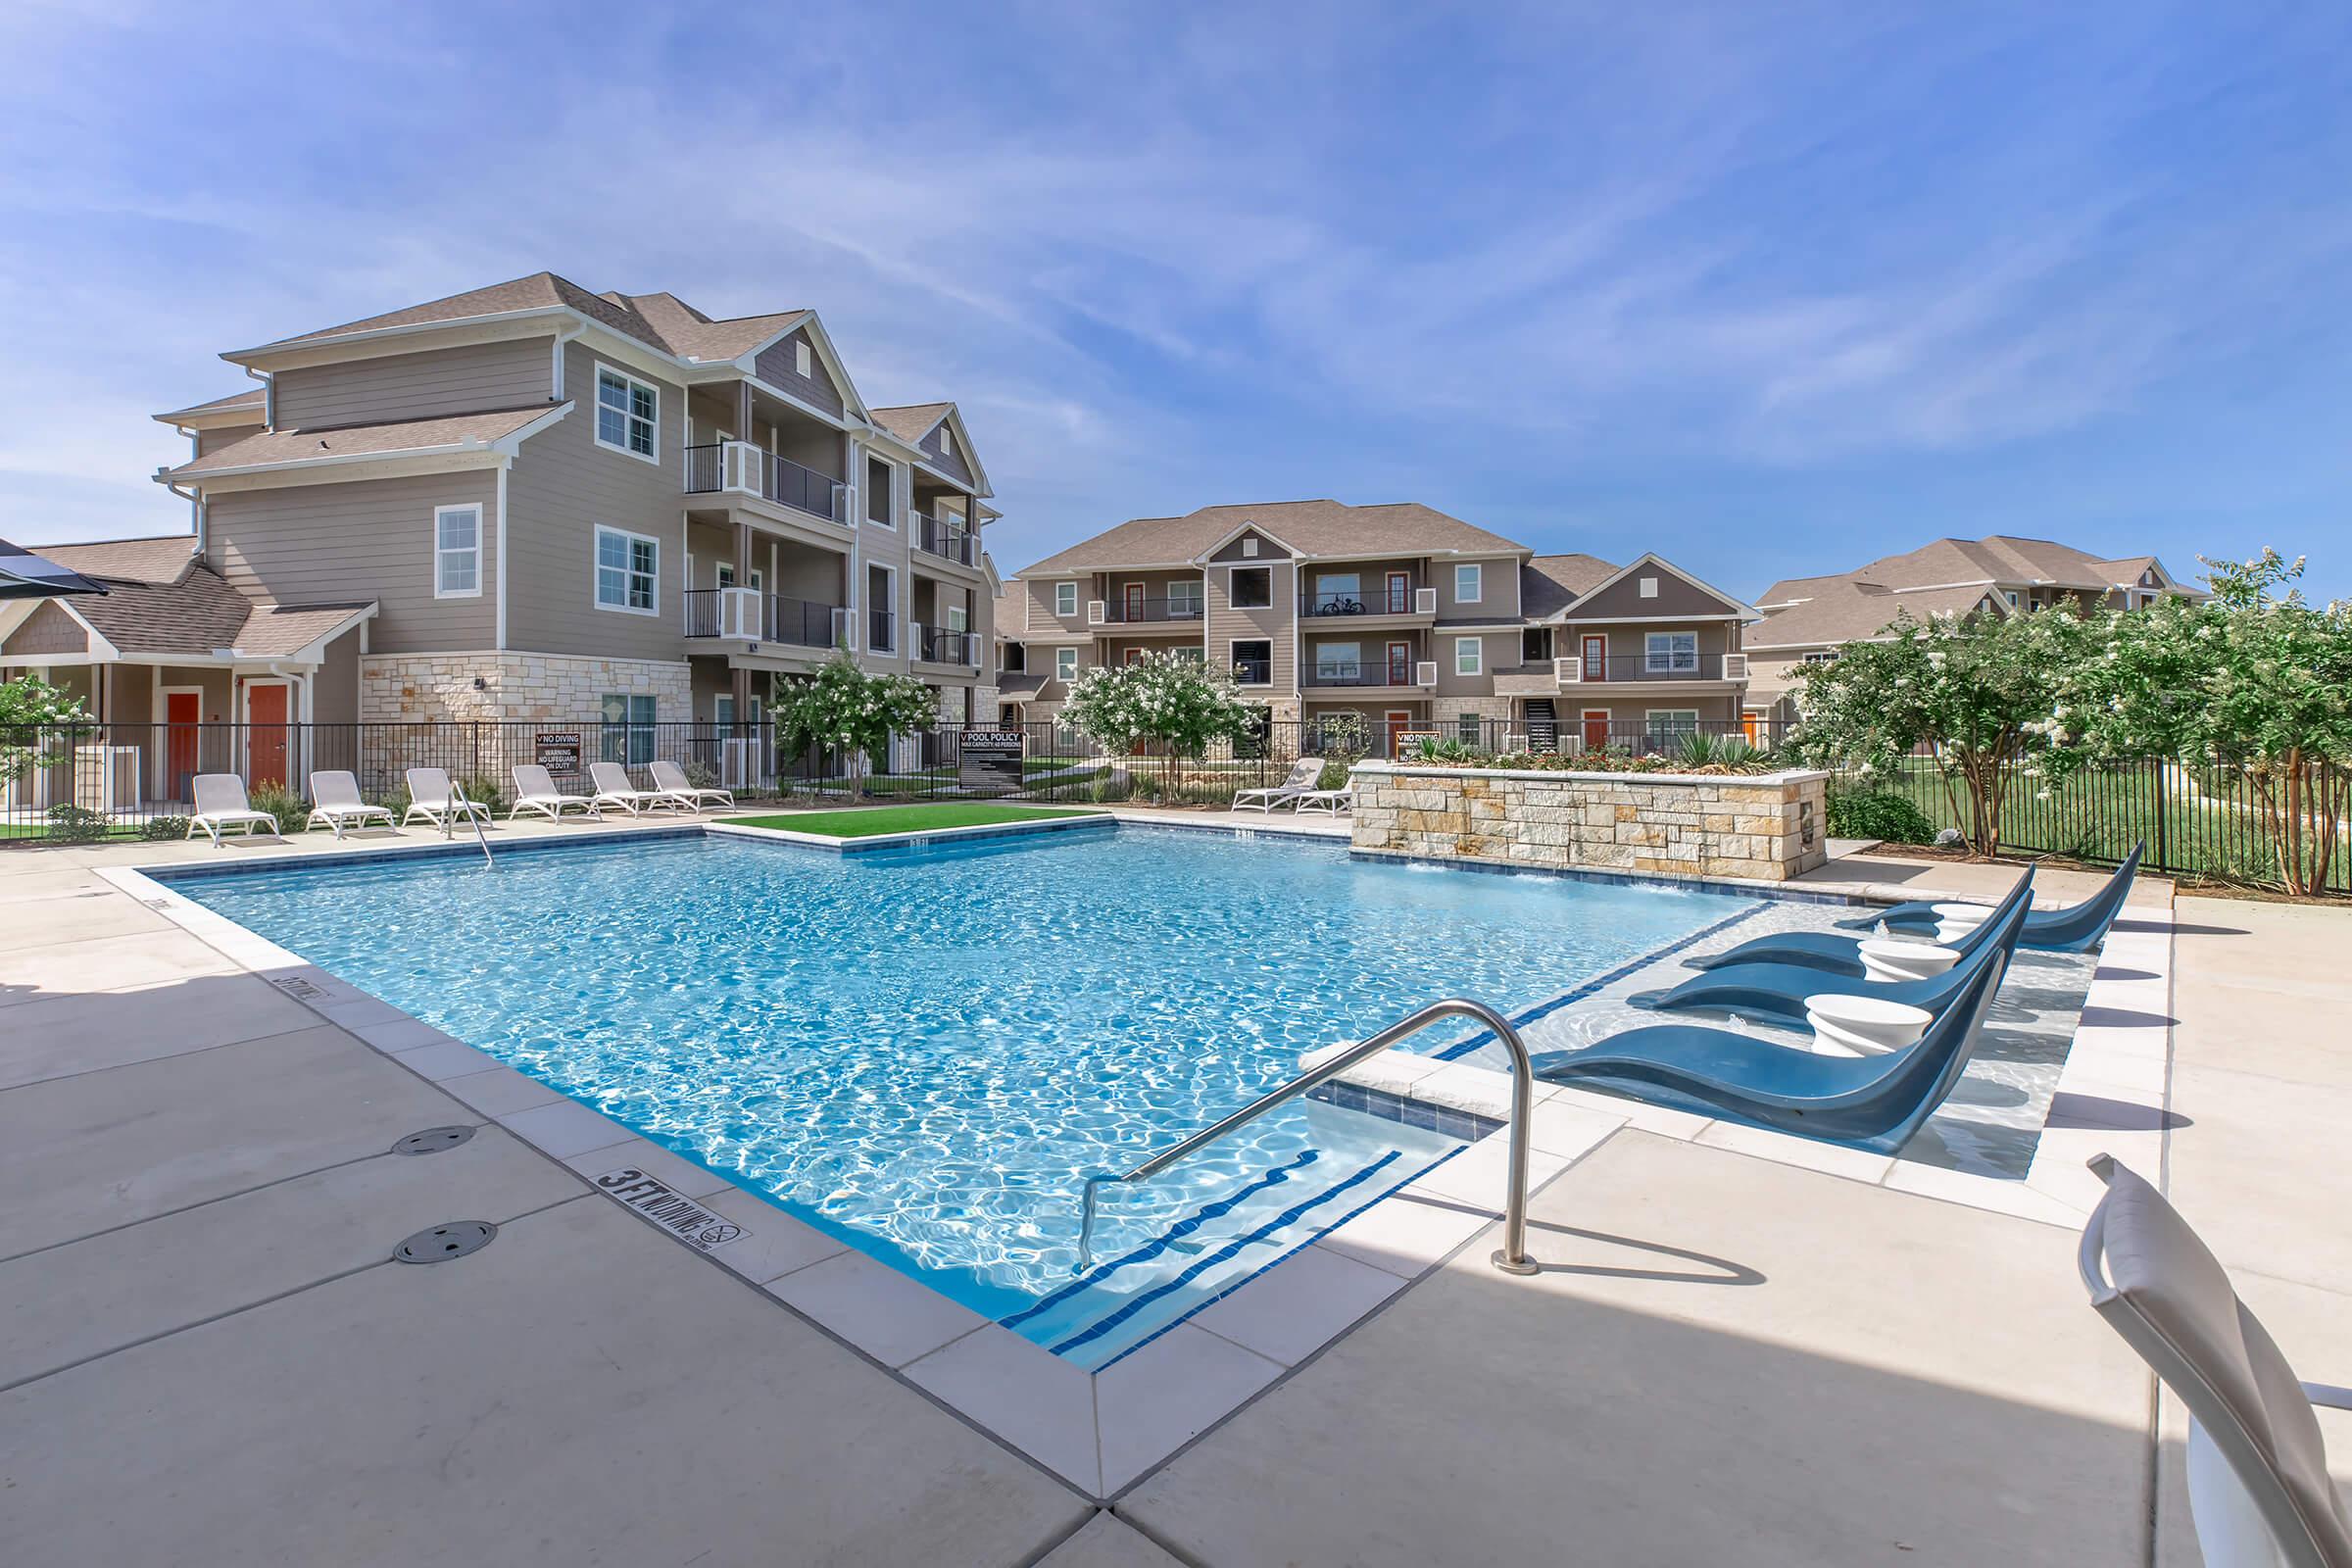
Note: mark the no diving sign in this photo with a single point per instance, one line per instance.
(676, 1213)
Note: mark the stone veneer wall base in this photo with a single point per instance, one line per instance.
(566, 687)
(1768, 826)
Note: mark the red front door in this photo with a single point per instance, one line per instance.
(1135, 601)
(1399, 720)
(1596, 728)
(1597, 659)
(1400, 663)
(182, 712)
(264, 736)
(1400, 594)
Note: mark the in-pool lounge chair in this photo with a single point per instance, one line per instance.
(1305, 773)
(1836, 952)
(336, 801)
(220, 805)
(1776, 992)
(535, 792)
(2258, 1487)
(439, 801)
(1875, 1102)
(2077, 929)
(610, 781)
(671, 779)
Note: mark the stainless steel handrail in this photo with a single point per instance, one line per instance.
(1511, 1257)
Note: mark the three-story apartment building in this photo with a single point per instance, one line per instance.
(1403, 616)
(532, 500)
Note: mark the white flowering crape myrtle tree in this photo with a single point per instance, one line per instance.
(842, 709)
(1978, 692)
(1168, 703)
(36, 722)
(2255, 682)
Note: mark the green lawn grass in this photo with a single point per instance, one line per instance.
(867, 823)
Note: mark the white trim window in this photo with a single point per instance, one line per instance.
(1666, 722)
(1184, 600)
(1065, 664)
(1469, 583)
(629, 571)
(804, 364)
(1338, 660)
(629, 415)
(1670, 653)
(1469, 655)
(1065, 600)
(458, 552)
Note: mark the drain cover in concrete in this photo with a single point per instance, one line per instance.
(445, 1242)
(433, 1140)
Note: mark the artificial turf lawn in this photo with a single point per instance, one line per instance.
(902, 818)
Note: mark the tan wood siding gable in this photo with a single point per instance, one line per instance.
(47, 631)
(1676, 596)
(414, 386)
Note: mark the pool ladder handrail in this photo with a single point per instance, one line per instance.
(1511, 1257)
(458, 803)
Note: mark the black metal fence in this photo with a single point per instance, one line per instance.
(2201, 821)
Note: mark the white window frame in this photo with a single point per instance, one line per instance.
(1477, 579)
(1232, 595)
(895, 611)
(1651, 715)
(1065, 664)
(1328, 657)
(1233, 660)
(1193, 592)
(635, 384)
(1670, 663)
(804, 362)
(442, 551)
(959, 619)
(1476, 648)
(1065, 600)
(596, 572)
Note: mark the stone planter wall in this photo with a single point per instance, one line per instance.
(1767, 826)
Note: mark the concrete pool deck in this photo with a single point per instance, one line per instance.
(208, 1359)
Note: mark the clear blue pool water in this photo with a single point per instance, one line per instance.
(925, 1051)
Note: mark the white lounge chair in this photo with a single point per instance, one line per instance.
(336, 801)
(671, 779)
(220, 805)
(434, 798)
(535, 792)
(1331, 801)
(611, 782)
(1304, 774)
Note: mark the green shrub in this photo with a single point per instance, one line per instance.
(484, 790)
(75, 824)
(281, 803)
(1876, 814)
(163, 827)
(1698, 749)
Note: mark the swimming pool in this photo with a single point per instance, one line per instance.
(925, 1051)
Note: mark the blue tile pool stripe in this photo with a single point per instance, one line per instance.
(1174, 1234)
(1592, 987)
(1231, 1250)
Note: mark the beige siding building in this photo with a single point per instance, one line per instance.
(1399, 616)
(535, 502)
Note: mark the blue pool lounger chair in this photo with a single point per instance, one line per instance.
(1776, 992)
(1836, 952)
(1873, 1103)
(2073, 930)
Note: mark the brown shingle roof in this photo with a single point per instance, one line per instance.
(161, 559)
(161, 599)
(282, 629)
(1312, 528)
(2000, 558)
(362, 440)
(1549, 584)
(1844, 612)
(910, 421)
(690, 334)
(252, 400)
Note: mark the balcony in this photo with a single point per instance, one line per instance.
(944, 537)
(1137, 609)
(755, 616)
(1648, 668)
(1395, 599)
(738, 468)
(1381, 673)
(938, 645)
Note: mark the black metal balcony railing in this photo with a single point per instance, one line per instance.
(773, 479)
(881, 631)
(780, 620)
(1642, 666)
(945, 538)
(1395, 599)
(1131, 608)
(942, 646)
(1368, 672)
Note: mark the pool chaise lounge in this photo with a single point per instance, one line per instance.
(671, 783)
(1836, 952)
(1873, 1103)
(1776, 992)
(221, 806)
(336, 801)
(610, 781)
(535, 792)
(2077, 929)
(1305, 774)
(439, 801)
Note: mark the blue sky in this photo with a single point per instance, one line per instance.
(1769, 289)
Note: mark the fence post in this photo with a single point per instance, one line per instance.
(2164, 818)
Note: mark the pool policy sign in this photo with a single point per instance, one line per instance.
(990, 758)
